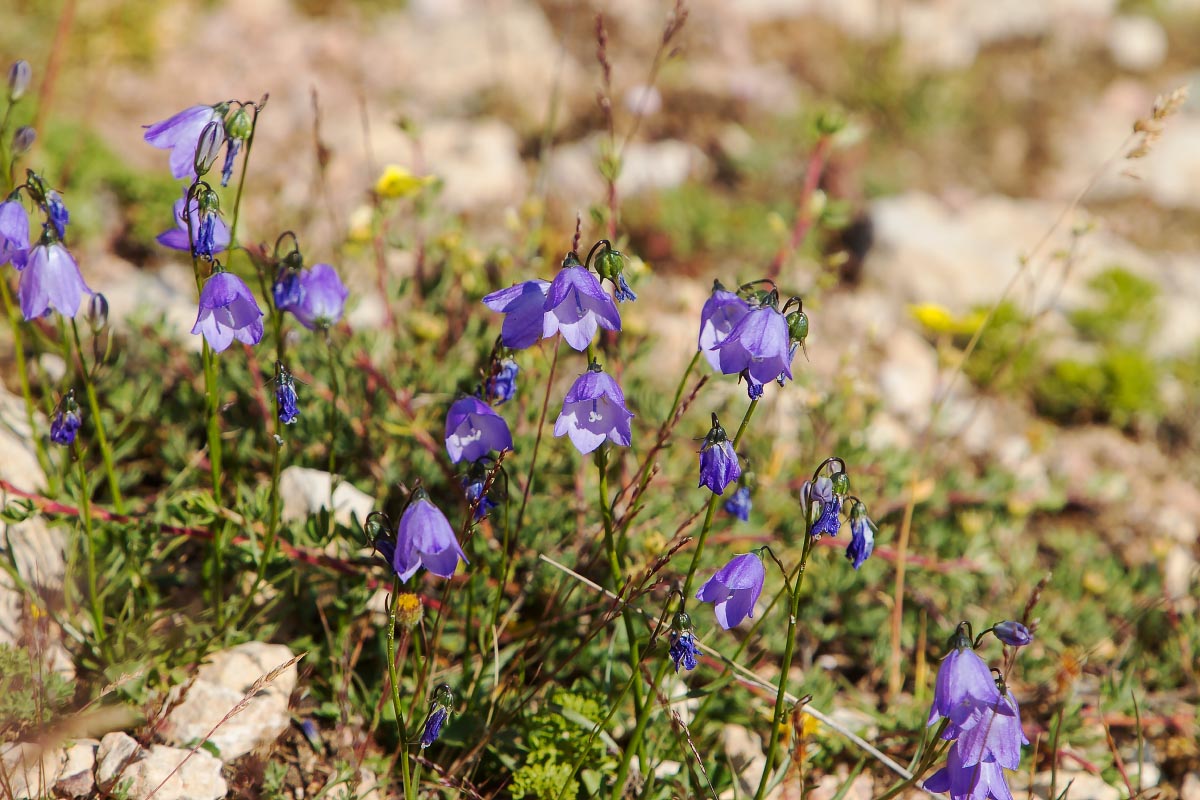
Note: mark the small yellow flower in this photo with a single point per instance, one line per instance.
(408, 610)
(397, 182)
(934, 318)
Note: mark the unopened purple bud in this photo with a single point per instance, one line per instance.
(433, 726)
(23, 139)
(97, 313)
(208, 147)
(1012, 633)
(19, 75)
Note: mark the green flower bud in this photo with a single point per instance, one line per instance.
(239, 125)
(798, 326)
(841, 483)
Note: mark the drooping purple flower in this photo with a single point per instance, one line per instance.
(433, 726)
(211, 234)
(65, 424)
(721, 312)
(501, 385)
(424, 538)
(982, 781)
(683, 650)
(576, 305)
(1012, 633)
(862, 535)
(473, 488)
(285, 398)
(180, 134)
(57, 213)
(719, 465)
(14, 234)
(232, 146)
(317, 299)
(739, 504)
(963, 690)
(287, 290)
(228, 311)
(819, 500)
(473, 430)
(50, 279)
(994, 734)
(594, 410)
(757, 347)
(523, 307)
(734, 589)
(623, 293)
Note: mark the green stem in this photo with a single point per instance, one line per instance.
(23, 376)
(85, 507)
(237, 198)
(410, 789)
(331, 426)
(89, 385)
(640, 729)
(788, 650)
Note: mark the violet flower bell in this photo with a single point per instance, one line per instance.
(719, 465)
(439, 711)
(285, 395)
(576, 306)
(964, 688)
(734, 589)
(981, 781)
(996, 734)
(317, 298)
(180, 134)
(821, 503)
(523, 307)
(228, 311)
(739, 504)
(50, 280)
(209, 230)
(501, 385)
(66, 422)
(14, 234)
(683, 650)
(721, 312)
(862, 535)
(473, 430)
(758, 347)
(56, 212)
(594, 410)
(424, 538)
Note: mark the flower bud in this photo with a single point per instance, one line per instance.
(208, 147)
(19, 75)
(97, 313)
(841, 484)
(208, 202)
(23, 139)
(1012, 633)
(797, 326)
(609, 263)
(239, 126)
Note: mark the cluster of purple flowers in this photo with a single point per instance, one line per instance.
(982, 720)
(576, 306)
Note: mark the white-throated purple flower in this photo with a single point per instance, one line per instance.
(862, 535)
(523, 307)
(739, 504)
(424, 538)
(14, 234)
(757, 348)
(50, 280)
(982, 781)
(212, 235)
(683, 649)
(501, 385)
(1012, 633)
(228, 311)
(722, 310)
(285, 395)
(317, 298)
(577, 305)
(719, 465)
(66, 422)
(734, 589)
(56, 212)
(473, 430)
(964, 688)
(594, 410)
(180, 134)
